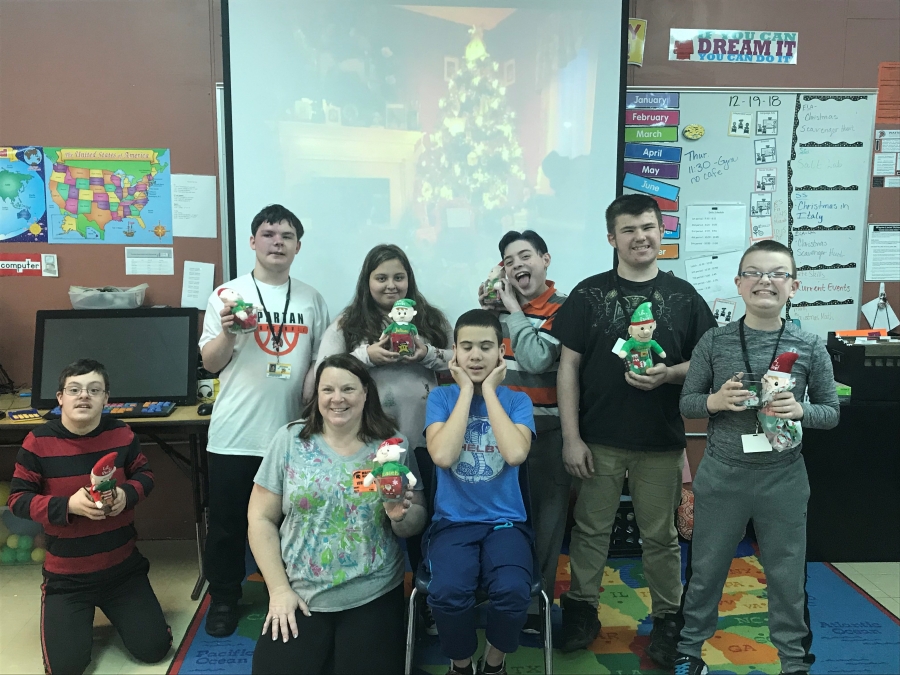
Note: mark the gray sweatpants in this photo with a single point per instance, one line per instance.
(725, 498)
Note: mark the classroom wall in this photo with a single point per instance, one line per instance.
(95, 73)
(840, 44)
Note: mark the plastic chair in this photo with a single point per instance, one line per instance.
(423, 575)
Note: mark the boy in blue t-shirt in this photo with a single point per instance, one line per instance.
(478, 433)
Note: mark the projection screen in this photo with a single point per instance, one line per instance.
(436, 128)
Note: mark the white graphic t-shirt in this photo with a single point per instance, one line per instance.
(251, 406)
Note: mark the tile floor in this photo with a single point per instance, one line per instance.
(173, 571)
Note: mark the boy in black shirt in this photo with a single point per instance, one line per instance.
(615, 421)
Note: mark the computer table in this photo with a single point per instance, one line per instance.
(184, 422)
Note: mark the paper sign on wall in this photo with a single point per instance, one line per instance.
(20, 264)
(716, 227)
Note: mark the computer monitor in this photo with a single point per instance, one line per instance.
(150, 354)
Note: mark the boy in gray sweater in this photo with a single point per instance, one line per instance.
(741, 477)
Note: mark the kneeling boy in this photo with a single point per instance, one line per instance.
(741, 476)
(478, 433)
(91, 558)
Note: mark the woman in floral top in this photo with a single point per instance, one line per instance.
(326, 545)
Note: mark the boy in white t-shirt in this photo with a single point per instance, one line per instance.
(262, 382)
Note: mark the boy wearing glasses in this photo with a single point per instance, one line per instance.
(741, 477)
(91, 558)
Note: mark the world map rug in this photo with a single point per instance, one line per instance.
(852, 633)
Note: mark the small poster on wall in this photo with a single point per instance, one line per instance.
(744, 46)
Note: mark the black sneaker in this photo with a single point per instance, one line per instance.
(222, 619)
(428, 620)
(580, 624)
(663, 647)
(533, 624)
(690, 665)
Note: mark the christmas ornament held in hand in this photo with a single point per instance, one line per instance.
(401, 329)
(244, 312)
(390, 472)
(637, 348)
(782, 434)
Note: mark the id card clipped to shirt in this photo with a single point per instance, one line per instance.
(280, 370)
(755, 443)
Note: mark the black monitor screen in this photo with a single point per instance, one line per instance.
(149, 354)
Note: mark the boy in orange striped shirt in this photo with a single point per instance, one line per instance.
(529, 304)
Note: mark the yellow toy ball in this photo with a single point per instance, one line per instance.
(37, 555)
(4, 492)
(4, 531)
(12, 541)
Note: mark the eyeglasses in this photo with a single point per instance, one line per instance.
(93, 392)
(774, 276)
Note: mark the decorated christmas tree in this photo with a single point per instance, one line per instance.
(474, 153)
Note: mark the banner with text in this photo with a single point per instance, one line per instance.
(750, 46)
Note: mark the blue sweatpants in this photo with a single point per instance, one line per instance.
(463, 557)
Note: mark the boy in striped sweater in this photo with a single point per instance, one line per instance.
(91, 556)
(530, 303)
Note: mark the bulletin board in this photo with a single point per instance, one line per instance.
(731, 167)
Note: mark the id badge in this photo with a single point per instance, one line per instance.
(755, 443)
(280, 370)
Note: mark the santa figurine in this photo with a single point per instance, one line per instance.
(103, 485)
(244, 312)
(782, 434)
(390, 471)
(637, 348)
(401, 329)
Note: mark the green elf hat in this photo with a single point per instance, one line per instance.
(405, 302)
(643, 314)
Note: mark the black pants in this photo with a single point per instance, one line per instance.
(230, 484)
(67, 622)
(368, 639)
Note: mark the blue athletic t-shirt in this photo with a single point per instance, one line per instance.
(480, 487)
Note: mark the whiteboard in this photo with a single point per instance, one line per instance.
(801, 170)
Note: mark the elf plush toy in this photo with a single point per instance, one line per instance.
(782, 434)
(493, 284)
(244, 313)
(390, 471)
(641, 341)
(402, 332)
(103, 485)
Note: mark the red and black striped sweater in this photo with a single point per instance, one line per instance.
(52, 464)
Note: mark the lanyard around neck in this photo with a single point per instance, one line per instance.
(744, 344)
(276, 337)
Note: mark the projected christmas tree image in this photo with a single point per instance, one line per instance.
(474, 153)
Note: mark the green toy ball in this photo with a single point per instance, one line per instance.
(12, 541)
(23, 555)
(25, 542)
(37, 555)
(7, 556)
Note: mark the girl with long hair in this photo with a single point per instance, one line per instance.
(404, 381)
